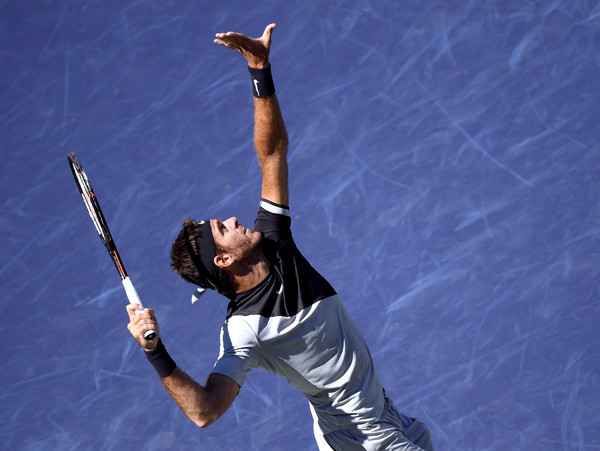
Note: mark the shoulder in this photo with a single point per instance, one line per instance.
(273, 208)
(273, 221)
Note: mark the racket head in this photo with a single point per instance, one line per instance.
(93, 207)
(95, 212)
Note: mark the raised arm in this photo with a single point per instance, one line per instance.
(270, 135)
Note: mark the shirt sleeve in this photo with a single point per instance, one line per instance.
(274, 222)
(238, 350)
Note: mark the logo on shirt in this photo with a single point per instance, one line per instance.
(280, 290)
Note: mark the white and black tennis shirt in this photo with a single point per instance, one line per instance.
(294, 324)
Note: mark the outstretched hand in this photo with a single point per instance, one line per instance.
(255, 50)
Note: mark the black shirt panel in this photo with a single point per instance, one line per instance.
(292, 284)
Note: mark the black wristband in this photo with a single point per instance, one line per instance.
(161, 360)
(262, 82)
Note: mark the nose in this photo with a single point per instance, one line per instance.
(231, 223)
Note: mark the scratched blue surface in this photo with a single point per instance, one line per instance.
(445, 173)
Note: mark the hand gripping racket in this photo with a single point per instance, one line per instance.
(93, 208)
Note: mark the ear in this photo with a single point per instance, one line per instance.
(224, 260)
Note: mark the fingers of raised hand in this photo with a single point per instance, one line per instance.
(230, 39)
(245, 44)
(266, 36)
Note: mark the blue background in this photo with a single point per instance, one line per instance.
(445, 174)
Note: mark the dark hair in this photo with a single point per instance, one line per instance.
(182, 262)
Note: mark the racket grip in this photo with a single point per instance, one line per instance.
(133, 297)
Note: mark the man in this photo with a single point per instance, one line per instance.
(283, 316)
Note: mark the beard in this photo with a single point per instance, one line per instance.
(253, 254)
(248, 258)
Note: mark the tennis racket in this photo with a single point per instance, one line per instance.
(93, 207)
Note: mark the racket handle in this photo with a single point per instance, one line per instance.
(133, 297)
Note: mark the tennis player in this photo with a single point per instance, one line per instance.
(282, 316)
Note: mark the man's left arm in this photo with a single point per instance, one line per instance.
(271, 143)
(270, 135)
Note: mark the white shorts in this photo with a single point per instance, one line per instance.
(394, 431)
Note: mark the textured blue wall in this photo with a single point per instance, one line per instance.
(445, 173)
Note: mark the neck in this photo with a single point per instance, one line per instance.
(250, 276)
